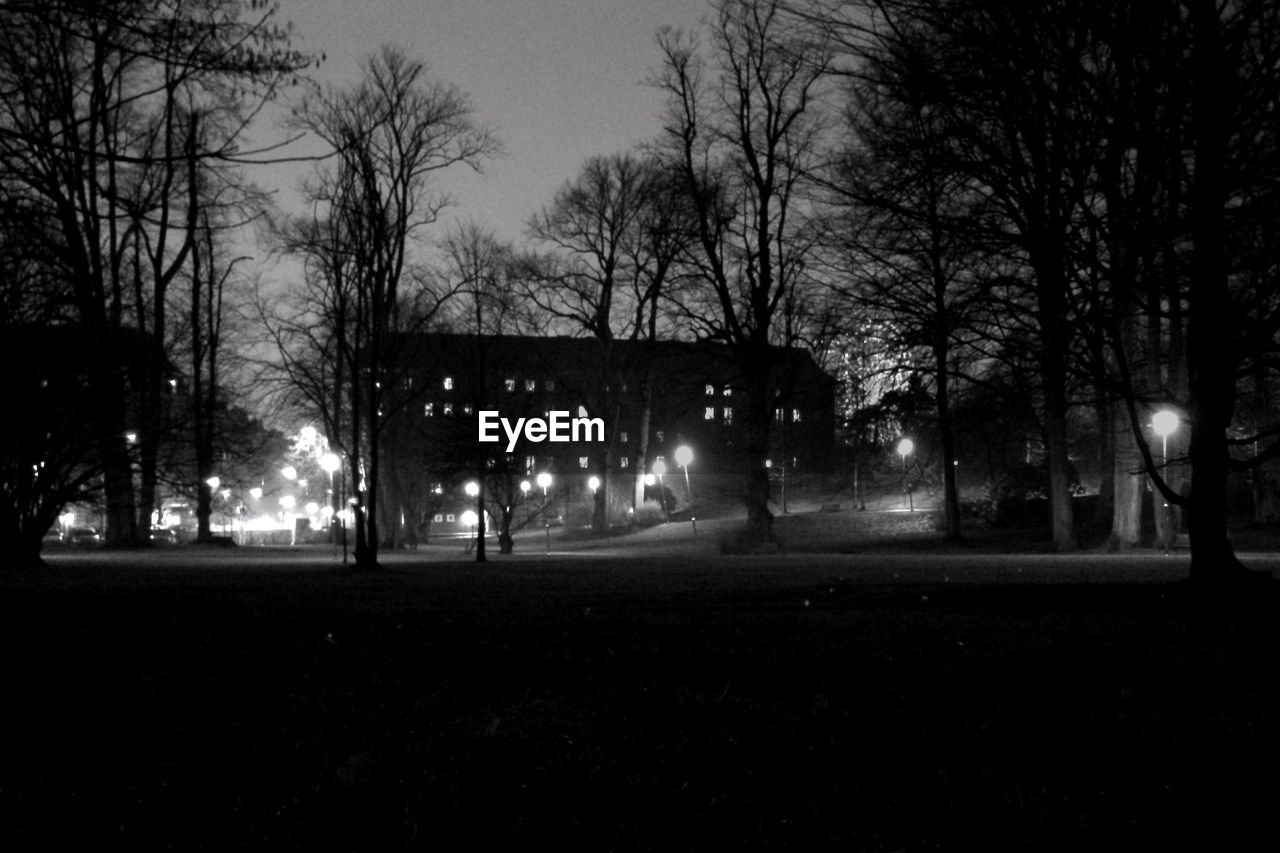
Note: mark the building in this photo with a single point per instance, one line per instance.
(441, 382)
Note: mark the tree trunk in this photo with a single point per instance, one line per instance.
(1126, 522)
(1051, 306)
(759, 418)
(642, 446)
(480, 519)
(950, 491)
(1106, 414)
(1211, 332)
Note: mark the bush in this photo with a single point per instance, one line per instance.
(649, 514)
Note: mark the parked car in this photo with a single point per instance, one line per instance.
(83, 537)
(164, 536)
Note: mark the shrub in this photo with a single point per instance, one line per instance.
(649, 514)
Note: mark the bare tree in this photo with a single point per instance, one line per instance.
(92, 132)
(616, 227)
(390, 134)
(742, 128)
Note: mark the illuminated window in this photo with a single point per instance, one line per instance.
(531, 385)
(448, 408)
(584, 461)
(728, 413)
(709, 413)
(625, 462)
(777, 415)
(795, 416)
(529, 463)
(429, 410)
(623, 436)
(448, 383)
(728, 391)
(467, 409)
(449, 518)
(510, 383)
(711, 390)
(438, 518)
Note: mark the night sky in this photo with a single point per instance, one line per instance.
(557, 80)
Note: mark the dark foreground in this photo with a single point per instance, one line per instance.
(859, 703)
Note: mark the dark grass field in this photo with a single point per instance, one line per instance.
(877, 703)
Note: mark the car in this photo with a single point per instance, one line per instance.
(83, 537)
(164, 536)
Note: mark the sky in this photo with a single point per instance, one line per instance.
(556, 80)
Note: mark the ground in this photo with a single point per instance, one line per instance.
(644, 693)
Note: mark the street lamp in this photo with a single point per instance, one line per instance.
(290, 473)
(904, 449)
(213, 482)
(684, 456)
(593, 483)
(660, 468)
(1165, 422)
(329, 462)
(544, 480)
(469, 518)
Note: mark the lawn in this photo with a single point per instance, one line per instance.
(268, 701)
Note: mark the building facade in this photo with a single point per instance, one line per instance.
(443, 381)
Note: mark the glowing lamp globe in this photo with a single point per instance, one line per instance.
(1165, 422)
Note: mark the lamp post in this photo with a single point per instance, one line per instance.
(329, 463)
(904, 449)
(1165, 422)
(472, 488)
(684, 456)
(660, 468)
(544, 480)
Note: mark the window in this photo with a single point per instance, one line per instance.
(728, 414)
(438, 518)
(449, 518)
(625, 462)
(662, 436)
(529, 463)
(448, 383)
(795, 416)
(728, 390)
(711, 390)
(467, 409)
(448, 408)
(777, 415)
(623, 436)
(531, 385)
(584, 461)
(510, 383)
(429, 410)
(407, 383)
(709, 413)
(550, 384)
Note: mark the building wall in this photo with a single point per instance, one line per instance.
(444, 380)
